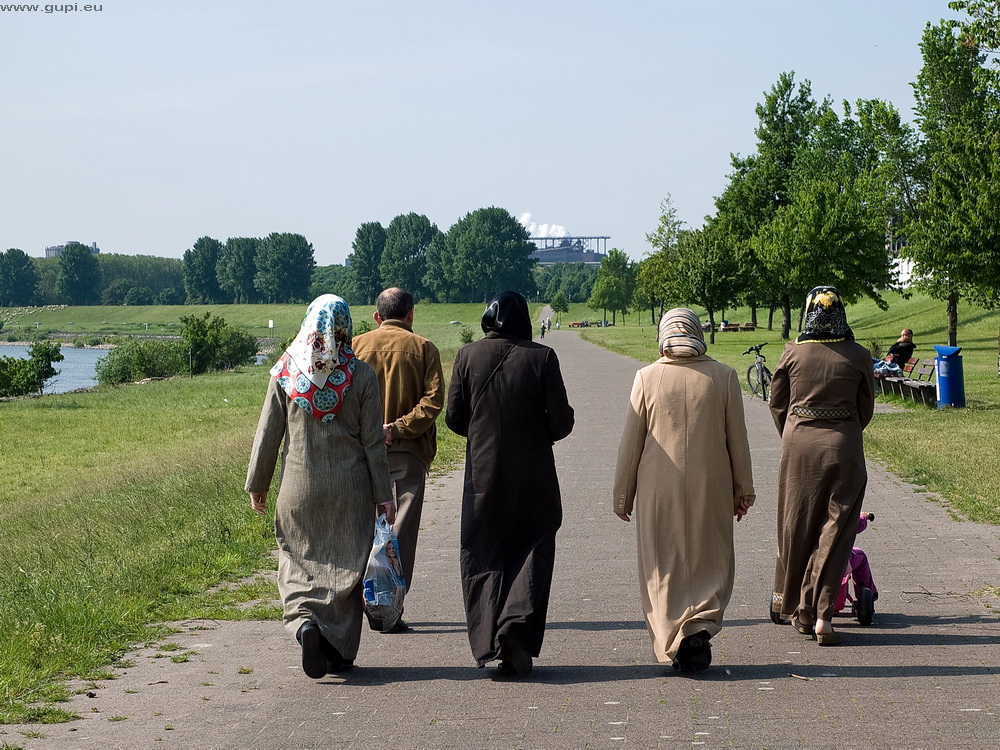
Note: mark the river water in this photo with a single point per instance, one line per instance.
(75, 371)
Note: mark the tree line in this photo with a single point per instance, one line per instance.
(484, 252)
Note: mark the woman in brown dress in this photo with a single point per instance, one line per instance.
(323, 413)
(822, 397)
(684, 464)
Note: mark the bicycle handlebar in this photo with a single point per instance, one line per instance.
(755, 349)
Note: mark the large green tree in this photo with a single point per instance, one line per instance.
(953, 233)
(709, 271)
(614, 286)
(78, 281)
(832, 228)
(404, 257)
(654, 277)
(335, 279)
(18, 279)
(122, 273)
(285, 264)
(485, 252)
(237, 267)
(201, 281)
(759, 184)
(368, 245)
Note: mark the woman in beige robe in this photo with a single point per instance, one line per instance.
(323, 413)
(684, 465)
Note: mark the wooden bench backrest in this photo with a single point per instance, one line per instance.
(924, 371)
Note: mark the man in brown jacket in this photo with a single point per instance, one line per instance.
(408, 367)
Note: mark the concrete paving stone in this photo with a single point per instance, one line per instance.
(925, 675)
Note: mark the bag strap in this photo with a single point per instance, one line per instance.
(482, 388)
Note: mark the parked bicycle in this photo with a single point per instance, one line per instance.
(758, 376)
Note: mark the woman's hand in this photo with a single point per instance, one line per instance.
(741, 509)
(389, 509)
(624, 516)
(258, 501)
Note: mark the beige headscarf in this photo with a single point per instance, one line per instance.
(680, 334)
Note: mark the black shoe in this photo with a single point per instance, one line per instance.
(514, 658)
(694, 653)
(313, 660)
(401, 626)
(701, 651)
(335, 662)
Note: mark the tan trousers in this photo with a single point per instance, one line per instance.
(409, 477)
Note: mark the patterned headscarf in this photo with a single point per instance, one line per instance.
(317, 368)
(826, 317)
(680, 334)
(507, 314)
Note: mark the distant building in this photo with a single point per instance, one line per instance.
(54, 251)
(589, 250)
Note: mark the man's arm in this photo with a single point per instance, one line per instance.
(418, 420)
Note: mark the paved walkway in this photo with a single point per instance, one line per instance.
(927, 674)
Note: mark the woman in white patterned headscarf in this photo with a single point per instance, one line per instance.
(323, 414)
(684, 468)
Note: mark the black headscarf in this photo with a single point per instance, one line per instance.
(826, 317)
(507, 315)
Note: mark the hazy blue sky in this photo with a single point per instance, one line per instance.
(149, 124)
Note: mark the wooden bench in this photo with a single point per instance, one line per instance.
(916, 383)
(920, 386)
(893, 384)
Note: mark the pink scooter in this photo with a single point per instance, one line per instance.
(865, 593)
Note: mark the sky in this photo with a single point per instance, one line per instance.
(145, 125)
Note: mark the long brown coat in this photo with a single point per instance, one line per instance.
(684, 459)
(508, 398)
(332, 476)
(822, 397)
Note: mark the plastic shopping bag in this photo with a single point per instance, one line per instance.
(384, 584)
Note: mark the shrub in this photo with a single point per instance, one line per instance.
(19, 377)
(466, 335)
(213, 344)
(136, 360)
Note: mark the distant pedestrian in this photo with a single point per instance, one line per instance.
(410, 381)
(543, 331)
(507, 397)
(822, 398)
(684, 466)
(323, 415)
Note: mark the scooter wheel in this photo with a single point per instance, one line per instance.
(865, 606)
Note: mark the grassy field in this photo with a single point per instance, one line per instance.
(124, 506)
(165, 320)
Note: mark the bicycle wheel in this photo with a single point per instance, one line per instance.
(754, 381)
(765, 383)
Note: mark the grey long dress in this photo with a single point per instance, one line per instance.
(333, 474)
